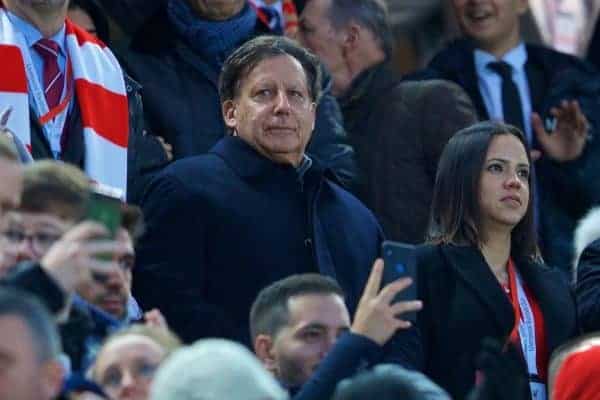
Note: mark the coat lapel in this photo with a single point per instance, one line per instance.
(549, 289)
(470, 265)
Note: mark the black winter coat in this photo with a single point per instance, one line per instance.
(463, 303)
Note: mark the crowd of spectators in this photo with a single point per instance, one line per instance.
(195, 195)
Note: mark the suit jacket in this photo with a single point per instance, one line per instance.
(398, 131)
(223, 225)
(566, 190)
(463, 303)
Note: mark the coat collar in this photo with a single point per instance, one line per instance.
(470, 265)
(249, 164)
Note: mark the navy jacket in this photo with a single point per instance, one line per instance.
(463, 303)
(566, 190)
(181, 100)
(223, 225)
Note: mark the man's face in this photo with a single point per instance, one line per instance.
(30, 235)
(21, 372)
(217, 10)
(317, 34)
(273, 111)
(315, 323)
(111, 292)
(493, 24)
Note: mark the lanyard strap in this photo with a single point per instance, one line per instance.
(52, 120)
(524, 330)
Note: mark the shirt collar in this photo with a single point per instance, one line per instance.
(32, 34)
(516, 58)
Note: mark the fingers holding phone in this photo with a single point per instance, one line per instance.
(80, 254)
(379, 315)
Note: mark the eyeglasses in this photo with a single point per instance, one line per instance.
(113, 378)
(40, 241)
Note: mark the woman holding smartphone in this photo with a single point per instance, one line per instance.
(481, 274)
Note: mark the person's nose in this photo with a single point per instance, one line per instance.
(128, 380)
(514, 181)
(328, 344)
(282, 102)
(25, 250)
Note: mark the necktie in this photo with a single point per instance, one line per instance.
(54, 79)
(511, 101)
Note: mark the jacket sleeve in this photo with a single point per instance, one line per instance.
(329, 140)
(350, 353)
(31, 278)
(171, 265)
(587, 290)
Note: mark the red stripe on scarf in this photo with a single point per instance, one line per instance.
(108, 113)
(82, 35)
(13, 67)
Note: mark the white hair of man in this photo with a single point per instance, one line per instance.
(214, 369)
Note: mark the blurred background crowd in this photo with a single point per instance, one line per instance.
(197, 198)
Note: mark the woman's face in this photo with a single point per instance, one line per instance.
(126, 365)
(504, 184)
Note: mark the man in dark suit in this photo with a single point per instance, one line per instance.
(398, 129)
(547, 94)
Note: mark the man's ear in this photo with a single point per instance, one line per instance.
(351, 37)
(228, 108)
(263, 347)
(52, 378)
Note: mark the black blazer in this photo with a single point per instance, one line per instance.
(463, 303)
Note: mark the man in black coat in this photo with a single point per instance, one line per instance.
(555, 96)
(177, 56)
(398, 129)
(254, 210)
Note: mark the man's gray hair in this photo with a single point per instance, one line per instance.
(214, 369)
(36, 317)
(371, 14)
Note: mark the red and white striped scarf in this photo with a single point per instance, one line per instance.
(100, 92)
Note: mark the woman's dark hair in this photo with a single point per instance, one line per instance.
(91, 8)
(246, 57)
(455, 210)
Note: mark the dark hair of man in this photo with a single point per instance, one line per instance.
(95, 12)
(371, 14)
(561, 352)
(455, 211)
(7, 149)
(385, 382)
(269, 312)
(41, 327)
(55, 188)
(247, 57)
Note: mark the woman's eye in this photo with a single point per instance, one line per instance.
(494, 168)
(524, 173)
